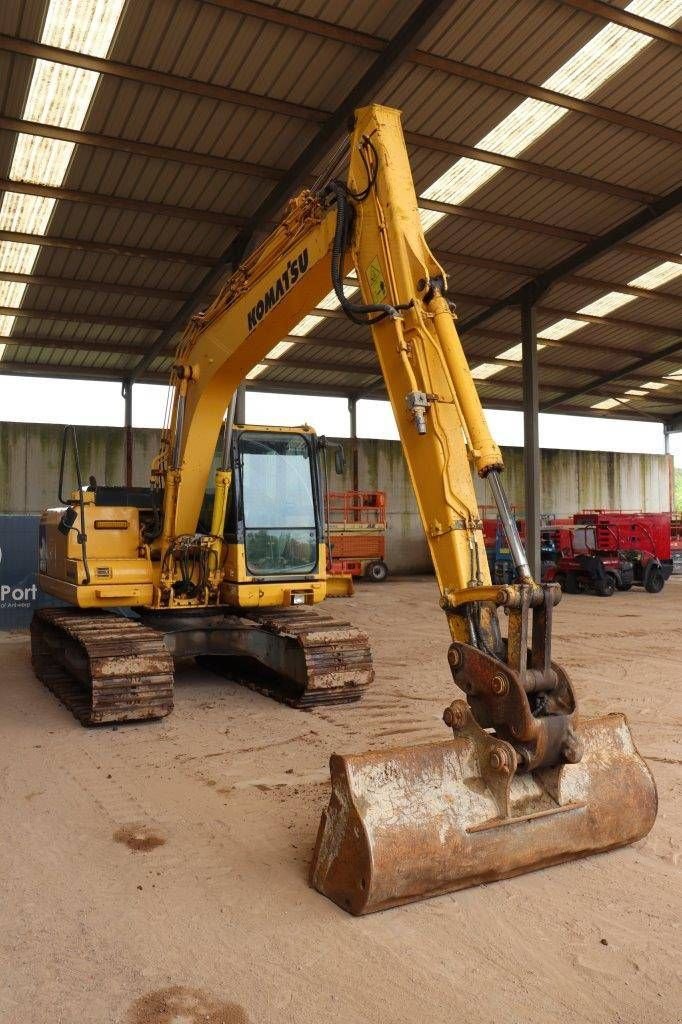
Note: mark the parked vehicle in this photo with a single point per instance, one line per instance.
(581, 567)
(643, 538)
(356, 522)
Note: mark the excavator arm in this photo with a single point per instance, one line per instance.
(522, 783)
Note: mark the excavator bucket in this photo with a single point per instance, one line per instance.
(412, 822)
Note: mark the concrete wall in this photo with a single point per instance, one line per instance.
(571, 481)
(29, 472)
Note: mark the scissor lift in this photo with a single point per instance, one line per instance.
(357, 533)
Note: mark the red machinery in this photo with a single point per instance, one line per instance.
(676, 543)
(357, 533)
(606, 550)
(580, 563)
(643, 537)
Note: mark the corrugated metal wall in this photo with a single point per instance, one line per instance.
(29, 470)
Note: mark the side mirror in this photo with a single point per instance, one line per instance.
(339, 454)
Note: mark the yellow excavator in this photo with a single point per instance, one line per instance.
(523, 782)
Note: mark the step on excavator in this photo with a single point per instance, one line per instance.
(521, 782)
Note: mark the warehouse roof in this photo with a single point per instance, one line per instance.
(142, 145)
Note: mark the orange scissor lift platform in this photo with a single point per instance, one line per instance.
(357, 533)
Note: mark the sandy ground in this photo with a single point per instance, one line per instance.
(212, 920)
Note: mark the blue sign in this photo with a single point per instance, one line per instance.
(19, 593)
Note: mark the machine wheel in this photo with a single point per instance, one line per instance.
(376, 571)
(605, 587)
(624, 586)
(655, 580)
(570, 584)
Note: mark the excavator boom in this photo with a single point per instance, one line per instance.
(522, 783)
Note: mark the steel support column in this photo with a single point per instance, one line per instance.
(353, 413)
(127, 392)
(531, 436)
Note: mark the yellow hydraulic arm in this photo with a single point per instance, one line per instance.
(522, 784)
(441, 423)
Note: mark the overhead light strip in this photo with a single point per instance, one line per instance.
(57, 95)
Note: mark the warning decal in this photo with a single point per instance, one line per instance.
(377, 284)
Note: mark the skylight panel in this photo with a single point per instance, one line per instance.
(515, 353)
(29, 214)
(18, 257)
(600, 58)
(609, 403)
(280, 348)
(485, 370)
(306, 325)
(658, 275)
(636, 392)
(654, 385)
(41, 161)
(330, 301)
(11, 293)
(57, 95)
(256, 371)
(675, 375)
(559, 330)
(86, 26)
(607, 303)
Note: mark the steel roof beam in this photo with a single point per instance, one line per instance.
(554, 311)
(322, 365)
(424, 18)
(505, 337)
(162, 294)
(73, 372)
(609, 12)
(484, 385)
(601, 244)
(72, 316)
(212, 217)
(521, 270)
(70, 195)
(106, 248)
(537, 227)
(103, 287)
(538, 92)
(288, 362)
(95, 346)
(528, 167)
(168, 153)
(160, 79)
(610, 321)
(305, 23)
(623, 371)
(458, 69)
(145, 149)
(73, 345)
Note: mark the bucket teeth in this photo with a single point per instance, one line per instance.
(414, 822)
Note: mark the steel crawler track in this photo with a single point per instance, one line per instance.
(337, 658)
(103, 667)
(108, 669)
